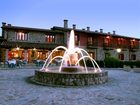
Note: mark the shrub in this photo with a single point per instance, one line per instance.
(89, 63)
(101, 63)
(129, 63)
(137, 63)
(112, 62)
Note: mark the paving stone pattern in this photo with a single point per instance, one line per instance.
(122, 88)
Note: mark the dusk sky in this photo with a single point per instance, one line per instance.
(123, 16)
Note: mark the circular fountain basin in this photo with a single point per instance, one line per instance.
(55, 78)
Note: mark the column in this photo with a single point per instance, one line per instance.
(26, 54)
(6, 54)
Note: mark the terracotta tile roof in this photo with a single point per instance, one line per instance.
(92, 32)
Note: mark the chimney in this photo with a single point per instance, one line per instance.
(83, 29)
(3, 24)
(65, 23)
(101, 30)
(96, 30)
(114, 32)
(9, 25)
(108, 32)
(88, 28)
(74, 26)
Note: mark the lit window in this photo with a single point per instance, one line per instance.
(120, 41)
(108, 37)
(50, 38)
(92, 54)
(107, 40)
(21, 36)
(132, 42)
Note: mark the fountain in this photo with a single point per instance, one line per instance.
(73, 70)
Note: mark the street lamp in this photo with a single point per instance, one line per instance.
(118, 50)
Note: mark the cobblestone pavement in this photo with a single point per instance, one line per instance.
(123, 88)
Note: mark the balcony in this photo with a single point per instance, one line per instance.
(122, 46)
(107, 46)
(8, 44)
(92, 45)
(133, 48)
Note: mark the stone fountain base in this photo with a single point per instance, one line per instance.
(69, 79)
(72, 69)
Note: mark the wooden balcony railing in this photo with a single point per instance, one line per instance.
(134, 48)
(92, 45)
(108, 46)
(124, 46)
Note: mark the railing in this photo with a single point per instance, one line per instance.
(108, 46)
(133, 48)
(92, 45)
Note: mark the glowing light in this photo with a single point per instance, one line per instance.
(34, 49)
(17, 48)
(107, 37)
(133, 40)
(118, 50)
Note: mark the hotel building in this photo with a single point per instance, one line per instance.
(35, 43)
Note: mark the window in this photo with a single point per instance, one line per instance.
(76, 39)
(120, 41)
(21, 36)
(60, 39)
(95, 41)
(121, 56)
(133, 57)
(107, 54)
(92, 55)
(107, 40)
(132, 43)
(50, 38)
(90, 40)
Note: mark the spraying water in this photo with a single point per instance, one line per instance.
(72, 57)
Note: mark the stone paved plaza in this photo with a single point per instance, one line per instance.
(123, 88)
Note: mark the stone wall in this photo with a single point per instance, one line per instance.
(70, 79)
(36, 37)
(10, 35)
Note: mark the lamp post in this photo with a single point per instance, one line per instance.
(118, 50)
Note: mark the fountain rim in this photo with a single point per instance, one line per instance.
(57, 72)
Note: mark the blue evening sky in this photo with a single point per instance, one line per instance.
(123, 16)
